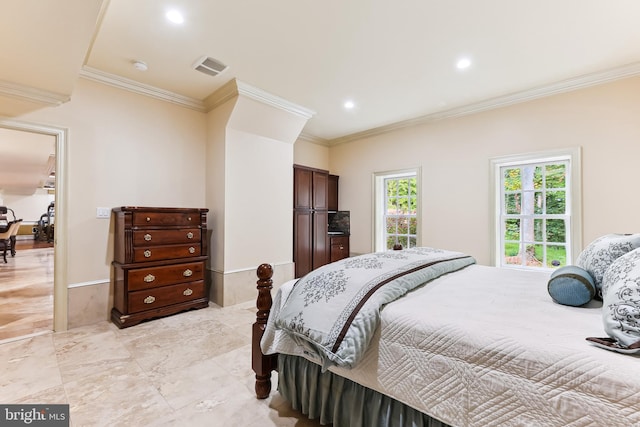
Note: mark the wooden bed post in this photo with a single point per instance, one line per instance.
(262, 364)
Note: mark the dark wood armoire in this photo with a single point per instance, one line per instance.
(310, 218)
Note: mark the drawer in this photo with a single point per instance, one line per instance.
(339, 240)
(337, 253)
(164, 237)
(339, 248)
(158, 253)
(152, 219)
(153, 277)
(149, 299)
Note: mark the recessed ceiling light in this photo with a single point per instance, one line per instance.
(175, 16)
(349, 105)
(463, 63)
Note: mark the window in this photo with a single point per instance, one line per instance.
(537, 209)
(396, 209)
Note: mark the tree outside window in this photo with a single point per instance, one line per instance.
(535, 215)
(396, 209)
(401, 212)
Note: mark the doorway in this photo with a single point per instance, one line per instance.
(60, 241)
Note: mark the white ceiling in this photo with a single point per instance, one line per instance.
(394, 59)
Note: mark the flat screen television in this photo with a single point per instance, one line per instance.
(339, 222)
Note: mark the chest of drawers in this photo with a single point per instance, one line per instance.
(159, 261)
(339, 247)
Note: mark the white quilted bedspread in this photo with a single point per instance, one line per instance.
(488, 347)
(476, 349)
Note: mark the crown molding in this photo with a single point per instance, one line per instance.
(307, 137)
(31, 94)
(230, 89)
(140, 88)
(235, 87)
(563, 86)
(273, 100)
(226, 92)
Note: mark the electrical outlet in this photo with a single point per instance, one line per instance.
(103, 213)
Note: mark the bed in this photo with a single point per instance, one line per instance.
(471, 346)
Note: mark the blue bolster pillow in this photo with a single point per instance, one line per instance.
(571, 285)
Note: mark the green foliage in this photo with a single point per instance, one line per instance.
(511, 249)
(402, 196)
(402, 202)
(556, 176)
(512, 181)
(555, 253)
(536, 190)
(512, 229)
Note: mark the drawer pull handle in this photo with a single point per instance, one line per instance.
(149, 278)
(192, 250)
(147, 253)
(188, 218)
(148, 219)
(341, 247)
(187, 292)
(147, 237)
(187, 273)
(150, 299)
(189, 235)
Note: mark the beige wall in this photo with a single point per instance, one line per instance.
(123, 149)
(128, 149)
(254, 223)
(215, 188)
(259, 227)
(259, 190)
(454, 156)
(310, 154)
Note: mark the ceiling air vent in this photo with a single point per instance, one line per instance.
(209, 66)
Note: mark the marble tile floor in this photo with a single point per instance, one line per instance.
(26, 291)
(190, 369)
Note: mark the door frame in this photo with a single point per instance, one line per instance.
(60, 291)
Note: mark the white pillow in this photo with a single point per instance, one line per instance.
(602, 252)
(621, 300)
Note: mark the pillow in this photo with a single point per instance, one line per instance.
(603, 251)
(621, 300)
(571, 285)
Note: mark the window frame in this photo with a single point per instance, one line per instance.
(379, 204)
(573, 207)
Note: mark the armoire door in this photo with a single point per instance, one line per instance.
(320, 190)
(302, 188)
(321, 249)
(303, 241)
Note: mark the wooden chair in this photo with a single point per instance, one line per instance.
(5, 239)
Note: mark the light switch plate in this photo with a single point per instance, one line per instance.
(103, 212)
